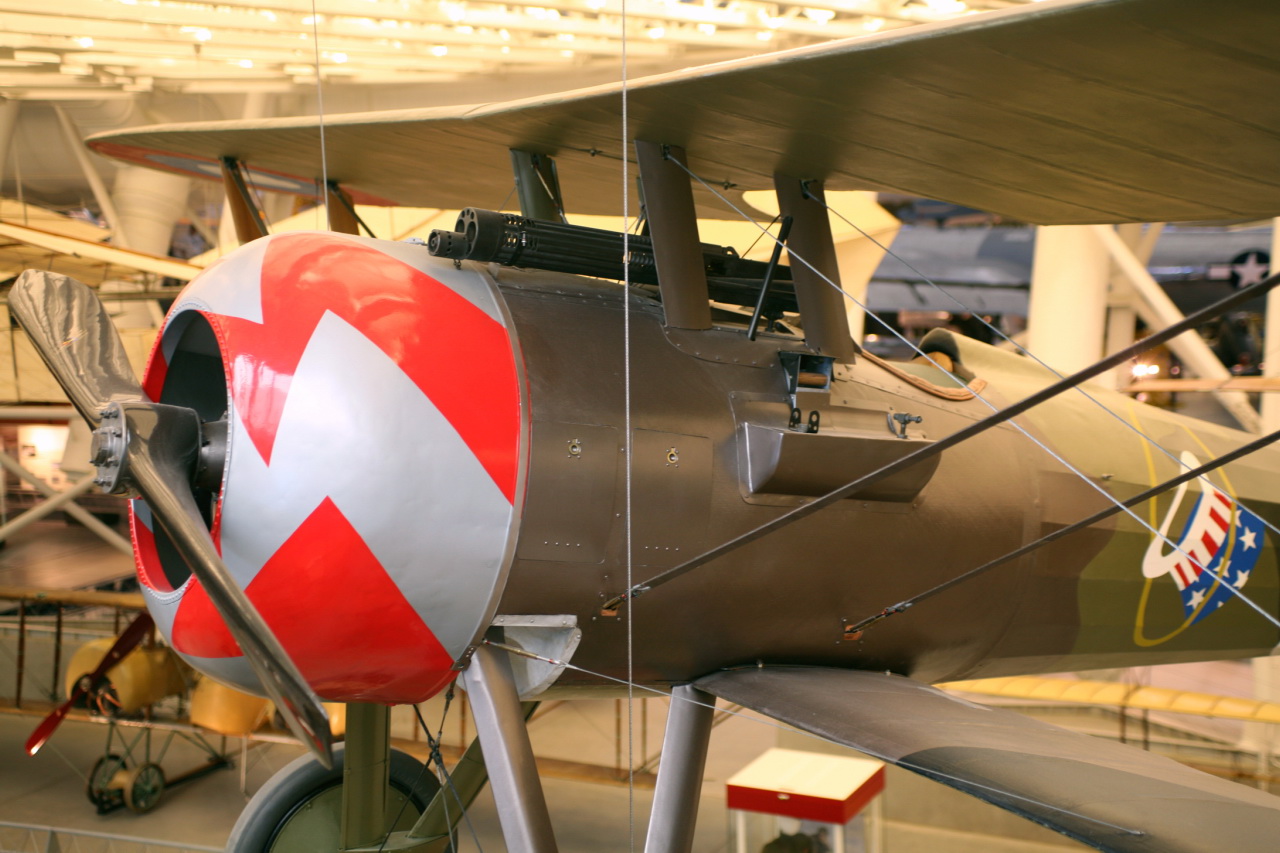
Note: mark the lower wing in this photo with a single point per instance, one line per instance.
(1105, 794)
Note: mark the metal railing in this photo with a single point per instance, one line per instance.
(30, 838)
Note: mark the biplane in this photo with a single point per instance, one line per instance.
(524, 456)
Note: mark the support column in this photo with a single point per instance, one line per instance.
(508, 755)
(1266, 671)
(1067, 310)
(149, 204)
(684, 757)
(8, 122)
(1158, 311)
(365, 774)
(100, 194)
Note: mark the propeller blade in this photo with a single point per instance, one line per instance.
(74, 335)
(153, 448)
(162, 443)
(124, 644)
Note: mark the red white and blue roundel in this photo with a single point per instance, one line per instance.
(1215, 553)
(375, 417)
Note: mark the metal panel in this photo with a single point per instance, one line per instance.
(671, 485)
(784, 461)
(570, 509)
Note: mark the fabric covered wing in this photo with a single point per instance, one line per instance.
(1060, 112)
(1108, 795)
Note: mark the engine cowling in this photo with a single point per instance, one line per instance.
(375, 460)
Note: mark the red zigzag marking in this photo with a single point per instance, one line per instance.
(342, 619)
(455, 353)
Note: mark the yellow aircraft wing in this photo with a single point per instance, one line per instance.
(1062, 112)
(1113, 693)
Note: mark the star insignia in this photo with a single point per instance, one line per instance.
(1251, 270)
(1242, 578)
(1249, 539)
(1196, 598)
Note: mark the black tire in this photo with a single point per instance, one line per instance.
(301, 781)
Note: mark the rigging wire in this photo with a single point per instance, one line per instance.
(1186, 476)
(627, 439)
(434, 745)
(1176, 459)
(766, 721)
(999, 416)
(324, 160)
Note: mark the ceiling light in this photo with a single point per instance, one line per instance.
(707, 29)
(764, 35)
(338, 57)
(85, 41)
(873, 25)
(439, 50)
(200, 34)
(567, 54)
(656, 32)
(819, 16)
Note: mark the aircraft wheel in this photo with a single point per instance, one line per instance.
(300, 808)
(143, 787)
(102, 793)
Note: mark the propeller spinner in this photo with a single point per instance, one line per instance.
(153, 451)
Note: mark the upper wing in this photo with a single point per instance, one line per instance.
(1063, 112)
(1110, 796)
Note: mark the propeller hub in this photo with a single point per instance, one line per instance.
(107, 450)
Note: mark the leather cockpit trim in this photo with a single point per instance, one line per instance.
(955, 394)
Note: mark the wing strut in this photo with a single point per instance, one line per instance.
(995, 419)
(250, 221)
(673, 228)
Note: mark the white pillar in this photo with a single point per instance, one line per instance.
(1158, 311)
(149, 204)
(1271, 347)
(76, 142)
(1266, 671)
(8, 122)
(1067, 309)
